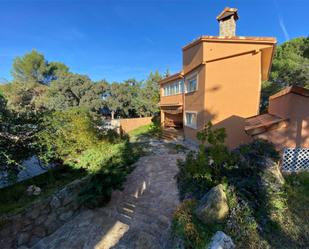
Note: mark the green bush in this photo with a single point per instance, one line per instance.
(253, 155)
(186, 226)
(155, 128)
(66, 134)
(72, 138)
(206, 168)
(16, 138)
(241, 224)
(113, 137)
(110, 168)
(96, 158)
(263, 214)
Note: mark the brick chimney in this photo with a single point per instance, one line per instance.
(227, 22)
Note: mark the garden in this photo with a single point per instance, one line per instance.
(241, 193)
(56, 116)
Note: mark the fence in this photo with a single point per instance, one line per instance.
(129, 124)
(295, 159)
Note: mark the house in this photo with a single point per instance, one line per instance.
(220, 81)
(286, 125)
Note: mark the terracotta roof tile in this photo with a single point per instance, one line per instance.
(227, 12)
(261, 121)
(172, 77)
(292, 89)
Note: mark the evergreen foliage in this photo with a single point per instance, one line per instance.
(48, 109)
(64, 135)
(263, 212)
(16, 138)
(32, 67)
(290, 68)
(204, 169)
(74, 90)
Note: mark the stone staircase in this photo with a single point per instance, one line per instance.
(172, 134)
(138, 216)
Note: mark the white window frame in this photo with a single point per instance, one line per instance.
(193, 126)
(173, 88)
(195, 75)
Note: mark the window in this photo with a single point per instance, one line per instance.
(191, 84)
(173, 88)
(191, 119)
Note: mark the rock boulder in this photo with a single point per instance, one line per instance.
(221, 241)
(213, 207)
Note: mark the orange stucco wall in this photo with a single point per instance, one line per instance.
(229, 85)
(233, 93)
(194, 102)
(192, 57)
(294, 134)
(129, 124)
(290, 105)
(218, 50)
(295, 108)
(174, 99)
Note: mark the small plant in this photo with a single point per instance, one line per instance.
(186, 226)
(241, 223)
(180, 148)
(210, 135)
(206, 168)
(109, 166)
(155, 128)
(254, 154)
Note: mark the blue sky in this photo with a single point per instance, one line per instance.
(117, 40)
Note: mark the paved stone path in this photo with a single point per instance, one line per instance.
(139, 217)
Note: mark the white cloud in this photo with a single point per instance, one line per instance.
(283, 28)
(281, 22)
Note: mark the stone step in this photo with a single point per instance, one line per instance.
(168, 136)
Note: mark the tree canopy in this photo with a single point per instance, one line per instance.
(290, 68)
(53, 113)
(291, 63)
(134, 98)
(74, 90)
(33, 67)
(39, 85)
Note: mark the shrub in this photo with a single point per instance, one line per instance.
(206, 168)
(263, 213)
(113, 137)
(110, 168)
(241, 223)
(16, 138)
(186, 226)
(66, 134)
(194, 176)
(253, 155)
(155, 128)
(71, 136)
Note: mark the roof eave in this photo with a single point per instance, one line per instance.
(265, 76)
(173, 77)
(232, 39)
(291, 89)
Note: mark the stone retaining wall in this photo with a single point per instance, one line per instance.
(41, 218)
